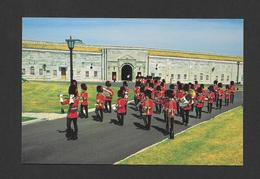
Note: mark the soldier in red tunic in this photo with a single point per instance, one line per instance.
(142, 100)
(148, 107)
(200, 102)
(100, 100)
(121, 104)
(180, 94)
(232, 91)
(216, 88)
(227, 95)
(185, 105)
(221, 95)
(137, 92)
(72, 116)
(84, 101)
(171, 112)
(196, 85)
(126, 93)
(108, 93)
(211, 98)
(158, 99)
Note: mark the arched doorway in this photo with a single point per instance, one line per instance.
(126, 72)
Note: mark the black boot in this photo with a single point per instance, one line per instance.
(69, 133)
(74, 136)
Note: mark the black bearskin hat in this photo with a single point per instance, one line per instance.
(138, 83)
(148, 93)
(172, 86)
(202, 86)
(120, 94)
(158, 88)
(72, 90)
(232, 82)
(99, 89)
(75, 83)
(192, 86)
(108, 83)
(196, 82)
(227, 86)
(83, 86)
(199, 90)
(210, 88)
(180, 86)
(178, 82)
(125, 83)
(220, 85)
(151, 85)
(168, 93)
(163, 80)
(186, 87)
(215, 82)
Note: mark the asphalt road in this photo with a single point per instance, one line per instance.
(99, 142)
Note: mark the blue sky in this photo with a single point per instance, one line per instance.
(219, 36)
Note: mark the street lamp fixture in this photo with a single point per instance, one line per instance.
(71, 43)
(156, 67)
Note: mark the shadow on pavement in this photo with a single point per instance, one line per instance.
(162, 130)
(159, 119)
(114, 121)
(137, 116)
(139, 126)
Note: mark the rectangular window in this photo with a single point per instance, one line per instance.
(47, 71)
(40, 71)
(32, 70)
(222, 77)
(195, 77)
(207, 77)
(201, 76)
(95, 73)
(152, 74)
(185, 76)
(160, 74)
(23, 71)
(217, 78)
(179, 76)
(54, 72)
(172, 75)
(87, 74)
(227, 78)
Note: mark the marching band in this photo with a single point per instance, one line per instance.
(149, 93)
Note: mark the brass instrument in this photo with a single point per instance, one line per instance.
(107, 93)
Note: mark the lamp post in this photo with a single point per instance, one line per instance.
(237, 71)
(71, 42)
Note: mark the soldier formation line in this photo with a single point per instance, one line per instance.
(149, 93)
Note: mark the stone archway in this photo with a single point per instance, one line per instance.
(127, 72)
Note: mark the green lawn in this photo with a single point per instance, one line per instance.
(216, 142)
(44, 96)
(27, 118)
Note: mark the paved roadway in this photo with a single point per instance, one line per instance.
(99, 142)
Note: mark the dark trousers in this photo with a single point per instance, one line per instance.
(108, 105)
(209, 107)
(120, 117)
(226, 102)
(148, 119)
(171, 132)
(74, 120)
(140, 110)
(99, 114)
(232, 96)
(198, 112)
(216, 99)
(184, 115)
(158, 108)
(165, 115)
(83, 107)
(220, 103)
(178, 108)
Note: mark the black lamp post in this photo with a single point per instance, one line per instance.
(71, 42)
(237, 71)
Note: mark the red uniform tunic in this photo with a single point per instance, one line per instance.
(204, 92)
(215, 87)
(165, 104)
(121, 103)
(200, 100)
(158, 96)
(73, 109)
(84, 96)
(172, 105)
(196, 87)
(227, 94)
(232, 88)
(100, 99)
(180, 94)
(137, 93)
(109, 98)
(221, 93)
(188, 107)
(211, 97)
(149, 104)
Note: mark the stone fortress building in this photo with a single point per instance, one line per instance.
(50, 62)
